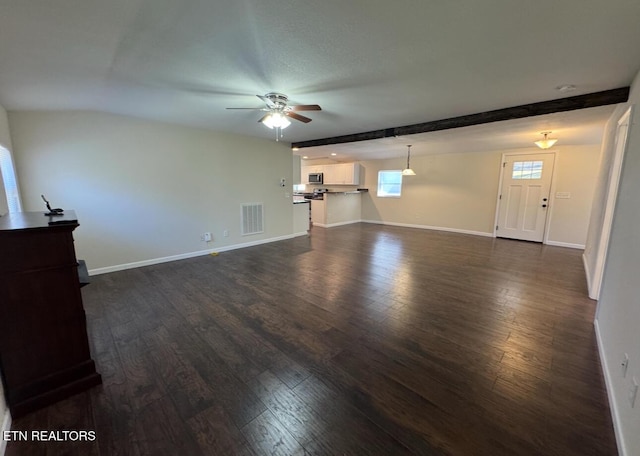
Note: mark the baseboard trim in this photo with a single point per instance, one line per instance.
(585, 264)
(331, 225)
(565, 244)
(6, 426)
(608, 385)
(184, 256)
(427, 227)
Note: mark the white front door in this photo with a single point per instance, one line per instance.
(524, 198)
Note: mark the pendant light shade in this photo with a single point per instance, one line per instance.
(545, 143)
(408, 171)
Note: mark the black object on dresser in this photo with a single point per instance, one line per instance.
(44, 349)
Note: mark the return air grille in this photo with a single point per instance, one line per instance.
(252, 218)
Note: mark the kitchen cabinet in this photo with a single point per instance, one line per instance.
(342, 174)
(335, 174)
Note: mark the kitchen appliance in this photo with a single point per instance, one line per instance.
(315, 178)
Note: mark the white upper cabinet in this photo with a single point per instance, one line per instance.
(337, 174)
(342, 174)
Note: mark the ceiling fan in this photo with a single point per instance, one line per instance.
(278, 110)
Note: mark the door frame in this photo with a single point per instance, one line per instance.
(552, 188)
(613, 185)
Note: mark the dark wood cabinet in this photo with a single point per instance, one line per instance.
(44, 350)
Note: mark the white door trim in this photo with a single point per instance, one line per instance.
(610, 204)
(551, 191)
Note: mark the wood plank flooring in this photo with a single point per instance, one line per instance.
(356, 340)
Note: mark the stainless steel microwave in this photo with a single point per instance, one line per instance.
(315, 178)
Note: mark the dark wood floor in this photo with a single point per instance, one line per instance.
(357, 340)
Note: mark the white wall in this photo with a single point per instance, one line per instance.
(458, 192)
(145, 190)
(618, 317)
(596, 221)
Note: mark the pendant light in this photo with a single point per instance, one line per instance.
(545, 143)
(408, 171)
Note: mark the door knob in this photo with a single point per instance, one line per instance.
(544, 205)
(544, 199)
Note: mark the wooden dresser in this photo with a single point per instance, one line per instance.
(44, 350)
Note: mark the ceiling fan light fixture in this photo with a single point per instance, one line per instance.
(545, 143)
(408, 171)
(276, 120)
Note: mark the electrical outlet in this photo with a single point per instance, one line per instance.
(624, 365)
(206, 237)
(633, 392)
(225, 233)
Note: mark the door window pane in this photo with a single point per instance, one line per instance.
(527, 170)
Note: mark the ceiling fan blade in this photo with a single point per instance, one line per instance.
(305, 108)
(293, 115)
(269, 103)
(263, 117)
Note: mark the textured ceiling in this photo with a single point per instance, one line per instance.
(370, 64)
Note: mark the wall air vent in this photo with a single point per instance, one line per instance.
(252, 218)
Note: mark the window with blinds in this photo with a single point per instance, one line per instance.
(389, 184)
(10, 182)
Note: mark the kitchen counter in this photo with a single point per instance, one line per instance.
(318, 196)
(337, 208)
(360, 190)
(301, 217)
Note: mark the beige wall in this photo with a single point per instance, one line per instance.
(576, 173)
(452, 191)
(145, 190)
(458, 192)
(618, 317)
